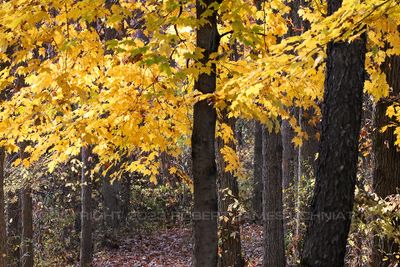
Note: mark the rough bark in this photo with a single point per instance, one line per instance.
(3, 236)
(228, 193)
(257, 172)
(386, 179)
(203, 149)
(325, 241)
(86, 249)
(274, 247)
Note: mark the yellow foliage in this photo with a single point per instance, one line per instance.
(127, 94)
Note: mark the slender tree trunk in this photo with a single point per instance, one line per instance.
(288, 155)
(274, 247)
(325, 241)
(86, 252)
(13, 229)
(290, 159)
(27, 256)
(387, 157)
(257, 200)
(203, 149)
(3, 236)
(298, 179)
(228, 194)
(257, 172)
(27, 227)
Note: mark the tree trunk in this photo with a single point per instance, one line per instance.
(3, 236)
(257, 200)
(110, 192)
(86, 251)
(27, 227)
(228, 194)
(325, 241)
(257, 172)
(274, 247)
(27, 256)
(203, 149)
(288, 155)
(13, 229)
(387, 156)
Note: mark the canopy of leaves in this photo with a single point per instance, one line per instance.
(119, 75)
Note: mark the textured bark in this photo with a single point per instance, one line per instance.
(203, 149)
(228, 192)
(387, 156)
(325, 241)
(86, 250)
(27, 227)
(257, 172)
(274, 247)
(13, 229)
(3, 236)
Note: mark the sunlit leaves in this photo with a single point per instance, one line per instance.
(120, 76)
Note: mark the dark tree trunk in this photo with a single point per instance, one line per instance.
(228, 194)
(13, 229)
(86, 251)
(257, 200)
(112, 211)
(27, 227)
(3, 236)
(203, 149)
(387, 156)
(257, 172)
(274, 247)
(325, 241)
(27, 256)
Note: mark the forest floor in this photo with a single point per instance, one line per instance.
(171, 248)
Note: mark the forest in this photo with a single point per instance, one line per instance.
(203, 133)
